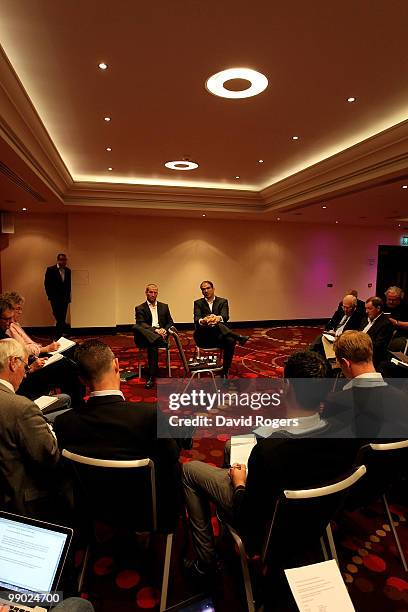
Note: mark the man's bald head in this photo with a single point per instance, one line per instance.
(349, 304)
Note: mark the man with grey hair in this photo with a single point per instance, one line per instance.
(28, 447)
(397, 312)
(348, 317)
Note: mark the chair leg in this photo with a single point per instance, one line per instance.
(166, 571)
(245, 570)
(324, 549)
(168, 362)
(394, 533)
(332, 545)
(84, 567)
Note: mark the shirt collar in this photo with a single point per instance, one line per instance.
(150, 305)
(368, 379)
(107, 392)
(305, 425)
(7, 384)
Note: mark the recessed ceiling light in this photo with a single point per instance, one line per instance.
(257, 83)
(351, 99)
(181, 165)
(103, 66)
(24, 209)
(278, 218)
(109, 148)
(399, 224)
(405, 186)
(203, 215)
(260, 161)
(237, 177)
(324, 206)
(107, 118)
(295, 137)
(336, 221)
(110, 168)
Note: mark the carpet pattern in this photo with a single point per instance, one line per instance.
(122, 580)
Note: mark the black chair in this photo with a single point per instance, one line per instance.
(299, 520)
(120, 493)
(385, 464)
(193, 370)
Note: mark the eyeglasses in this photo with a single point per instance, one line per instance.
(26, 366)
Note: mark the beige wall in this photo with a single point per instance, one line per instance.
(267, 270)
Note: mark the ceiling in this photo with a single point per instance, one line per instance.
(350, 157)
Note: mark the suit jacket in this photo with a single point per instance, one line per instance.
(279, 463)
(143, 318)
(380, 333)
(56, 289)
(369, 411)
(28, 451)
(354, 321)
(109, 427)
(219, 308)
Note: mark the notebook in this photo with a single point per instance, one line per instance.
(32, 556)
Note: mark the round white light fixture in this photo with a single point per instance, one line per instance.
(109, 149)
(351, 99)
(181, 165)
(260, 161)
(102, 66)
(107, 118)
(24, 209)
(215, 84)
(278, 218)
(336, 221)
(295, 137)
(405, 186)
(324, 206)
(110, 169)
(203, 215)
(237, 177)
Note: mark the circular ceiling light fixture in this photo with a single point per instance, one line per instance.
(183, 164)
(255, 83)
(103, 66)
(107, 119)
(351, 99)
(405, 186)
(109, 149)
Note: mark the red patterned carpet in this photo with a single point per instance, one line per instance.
(124, 572)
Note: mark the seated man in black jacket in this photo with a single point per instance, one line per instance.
(347, 316)
(109, 427)
(289, 461)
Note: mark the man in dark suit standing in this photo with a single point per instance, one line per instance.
(377, 325)
(153, 319)
(211, 313)
(57, 285)
(109, 427)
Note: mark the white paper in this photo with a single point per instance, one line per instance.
(241, 447)
(319, 588)
(44, 401)
(64, 345)
(329, 337)
(55, 357)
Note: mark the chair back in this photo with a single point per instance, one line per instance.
(386, 463)
(300, 518)
(119, 492)
(176, 338)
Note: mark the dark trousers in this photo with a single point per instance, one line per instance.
(62, 374)
(59, 310)
(147, 338)
(218, 336)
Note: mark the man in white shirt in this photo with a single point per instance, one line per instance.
(153, 319)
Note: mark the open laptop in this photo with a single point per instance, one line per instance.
(32, 556)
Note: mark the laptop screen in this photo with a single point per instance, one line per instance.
(32, 553)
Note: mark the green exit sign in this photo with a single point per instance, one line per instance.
(404, 241)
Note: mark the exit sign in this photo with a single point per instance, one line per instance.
(404, 241)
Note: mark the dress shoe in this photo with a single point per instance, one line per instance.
(207, 576)
(149, 383)
(242, 340)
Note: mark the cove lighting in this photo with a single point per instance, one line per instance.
(215, 83)
(181, 165)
